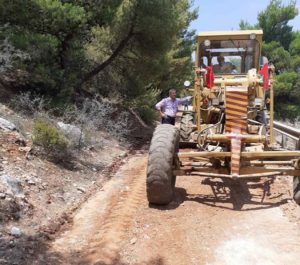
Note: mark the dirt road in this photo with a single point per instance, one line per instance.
(117, 226)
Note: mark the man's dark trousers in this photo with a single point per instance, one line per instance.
(168, 120)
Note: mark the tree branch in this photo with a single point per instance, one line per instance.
(97, 69)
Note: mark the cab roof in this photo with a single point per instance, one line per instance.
(232, 34)
(229, 33)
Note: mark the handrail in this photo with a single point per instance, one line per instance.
(287, 129)
(287, 132)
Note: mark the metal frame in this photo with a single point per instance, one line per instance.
(254, 164)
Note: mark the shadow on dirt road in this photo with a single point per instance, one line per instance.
(234, 197)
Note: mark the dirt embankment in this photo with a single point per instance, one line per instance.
(38, 196)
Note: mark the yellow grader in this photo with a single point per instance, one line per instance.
(229, 126)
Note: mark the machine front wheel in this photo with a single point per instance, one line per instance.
(161, 162)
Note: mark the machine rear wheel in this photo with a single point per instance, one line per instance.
(186, 127)
(162, 154)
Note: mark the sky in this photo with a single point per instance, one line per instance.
(227, 14)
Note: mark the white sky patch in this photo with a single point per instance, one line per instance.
(226, 15)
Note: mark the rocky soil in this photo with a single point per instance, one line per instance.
(38, 196)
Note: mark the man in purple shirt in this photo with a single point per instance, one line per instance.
(169, 106)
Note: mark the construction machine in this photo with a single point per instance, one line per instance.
(228, 126)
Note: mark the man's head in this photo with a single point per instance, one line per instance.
(172, 93)
(221, 59)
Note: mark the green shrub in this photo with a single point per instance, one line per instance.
(49, 137)
(145, 105)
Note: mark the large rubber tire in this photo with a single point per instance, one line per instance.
(186, 124)
(162, 154)
(296, 189)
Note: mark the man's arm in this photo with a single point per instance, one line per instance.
(159, 106)
(184, 100)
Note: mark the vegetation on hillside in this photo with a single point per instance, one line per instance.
(66, 49)
(282, 47)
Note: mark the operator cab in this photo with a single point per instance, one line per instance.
(229, 53)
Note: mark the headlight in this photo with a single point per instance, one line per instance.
(187, 83)
(252, 36)
(207, 43)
